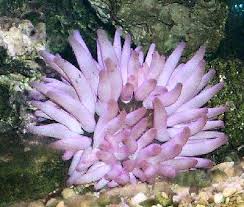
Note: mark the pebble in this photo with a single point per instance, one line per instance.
(158, 205)
(138, 198)
(181, 192)
(52, 202)
(218, 198)
(68, 192)
(162, 187)
(36, 204)
(229, 191)
(128, 190)
(60, 204)
(227, 200)
(218, 176)
(203, 197)
(226, 167)
(199, 205)
(81, 201)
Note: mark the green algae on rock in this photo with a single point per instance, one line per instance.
(19, 45)
(231, 71)
(13, 107)
(27, 169)
(167, 22)
(198, 178)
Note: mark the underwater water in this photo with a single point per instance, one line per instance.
(31, 172)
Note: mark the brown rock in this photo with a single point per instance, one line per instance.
(226, 167)
(52, 202)
(162, 186)
(68, 192)
(128, 190)
(82, 201)
(36, 204)
(60, 204)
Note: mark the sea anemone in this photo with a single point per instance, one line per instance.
(126, 117)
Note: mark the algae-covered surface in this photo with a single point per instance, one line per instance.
(167, 22)
(28, 170)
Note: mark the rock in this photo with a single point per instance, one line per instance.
(52, 202)
(104, 200)
(36, 204)
(164, 199)
(20, 37)
(230, 70)
(82, 201)
(158, 205)
(203, 197)
(218, 198)
(218, 176)
(226, 167)
(167, 22)
(180, 192)
(161, 186)
(238, 170)
(60, 204)
(138, 198)
(128, 190)
(196, 178)
(242, 163)
(68, 192)
(229, 191)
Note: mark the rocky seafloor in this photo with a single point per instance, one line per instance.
(221, 186)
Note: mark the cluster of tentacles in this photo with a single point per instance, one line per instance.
(127, 117)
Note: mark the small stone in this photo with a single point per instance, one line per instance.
(239, 198)
(240, 204)
(128, 190)
(82, 201)
(218, 176)
(158, 205)
(138, 198)
(242, 164)
(181, 192)
(229, 191)
(104, 200)
(60, 204)
(52, 202)
(203, 197)
(36, 204)
(18, 39)
(163, 199)
(162, 186)
(199, 205)
(227, 200)
(68, 192)
(226, 167)
(218, 198)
